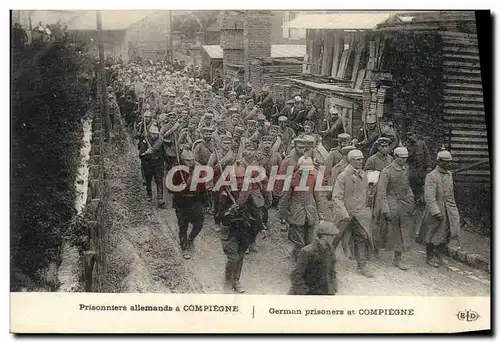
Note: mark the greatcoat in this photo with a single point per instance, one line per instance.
(394, 196)
(439, 198)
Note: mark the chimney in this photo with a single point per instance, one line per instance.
(231, 41)
(257, 45)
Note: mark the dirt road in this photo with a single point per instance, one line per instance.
(145, 254)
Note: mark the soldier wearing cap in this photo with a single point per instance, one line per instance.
(441, 219)
(274, 131)
(302, 209)
(152, 158)
(394, 207)
(113, 110)
(287, 135)
(315, 271)
(238, 141)
(188, 204)
(204, 147)
(144, 123)
(220, 132)
(206, 121)
(265, 101)
(189, 135)
(169, 134)
(382, 158)
(271, 158)
(251, 128)
(335, 155)
(332, 126)
(240, 226)
(339, 167)
(250, 110)
(290, 160)
(352, 212)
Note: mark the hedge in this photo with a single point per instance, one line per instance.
(47, 106)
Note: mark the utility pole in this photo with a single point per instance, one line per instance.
(102, 73)
(170, 47)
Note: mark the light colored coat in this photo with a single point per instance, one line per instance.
(439, 198)
(394, 196)
(298, 206)
(350, 201)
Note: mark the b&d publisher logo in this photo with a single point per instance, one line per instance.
(467, 315)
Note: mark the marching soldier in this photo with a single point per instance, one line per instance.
(152, 159)
(218, 161)
(206, 121)
(241, 224)
(189, 135)
(220, 132)
(339, 168)
(302, 209)
(369, 134)
(287, 135)
(144, 125)
(315, 271)
(271, 159)
(204, 147)
(352, 213)
(188, 204)
(289, 161)
(335, 155)
(382, 158)
(396, 203)
(331, 127)
(441, 220)
(168, 134)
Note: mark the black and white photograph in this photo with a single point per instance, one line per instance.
(251, 152)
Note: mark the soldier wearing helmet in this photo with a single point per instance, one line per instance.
(441, 219)
(394, 207)
(352, 212)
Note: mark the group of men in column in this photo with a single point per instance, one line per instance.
(375, 181)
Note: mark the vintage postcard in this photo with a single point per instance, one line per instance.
(250, 171)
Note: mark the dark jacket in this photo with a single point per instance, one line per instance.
(314, 273)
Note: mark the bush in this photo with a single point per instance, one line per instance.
(48, 104)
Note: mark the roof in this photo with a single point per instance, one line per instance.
(111, 19)
(277, 51)
(340, 21)
(288, 51)
(213, 51)
(330, 87)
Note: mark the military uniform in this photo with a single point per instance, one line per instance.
(188, 205)
(396, 202)
(315, 271)
(152, 158)
(241, 224)
(205, 148)
(302, 209)
(353, 214)
(378, 162)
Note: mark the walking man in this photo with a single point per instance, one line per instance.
(315, 272)
(395, 199)
(152, 157)
(441, 220)
(352, 212)
(188, 204)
